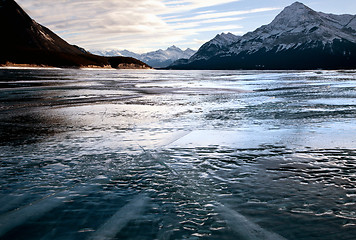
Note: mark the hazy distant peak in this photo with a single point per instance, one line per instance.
(158, 58)
(173, 48)
(189, 51)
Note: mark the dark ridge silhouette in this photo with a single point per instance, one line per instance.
(24, 41)
(301, 58)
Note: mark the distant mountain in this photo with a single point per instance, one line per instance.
(24, 41)
(158, 59)
(163, 58)
(298, 38)
(115, 53)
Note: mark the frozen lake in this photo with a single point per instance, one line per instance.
(146, 154)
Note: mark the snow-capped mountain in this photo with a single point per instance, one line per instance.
(298, 38)
(115, 53)
(295, 25)
(163, 58)
(217, 44)
(158, 59)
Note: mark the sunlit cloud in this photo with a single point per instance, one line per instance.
(188, 5)
(138, 24)
(217, 20)
(221, 14)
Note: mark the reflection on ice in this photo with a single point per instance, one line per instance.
(89, 154)
(320, 137)
(244, 228)
(121, 218)
(335, 101)
(35, 210)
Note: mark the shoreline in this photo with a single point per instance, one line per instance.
(91, 67)
(132, 67)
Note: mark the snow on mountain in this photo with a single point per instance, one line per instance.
(295, 25)
(158, 59)
(297, 28)
(115, 53)
(218, 43)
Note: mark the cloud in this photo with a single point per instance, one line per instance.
(188, 5)
(83, 22)
(222, 28)
(221, 14)
(133, 24)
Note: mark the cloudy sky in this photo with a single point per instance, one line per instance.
(145, 25)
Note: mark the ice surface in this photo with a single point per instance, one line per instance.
(120, 219)
(149, 154)
(244, 228)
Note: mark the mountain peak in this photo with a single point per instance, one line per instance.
(159, 58)
(173, 47)
(295, 15)
(296, 8)
(298, 5)
(225, 37)
(298, 38)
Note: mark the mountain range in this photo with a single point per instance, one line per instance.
(24, 41)
(157, 59)
(298, 38)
